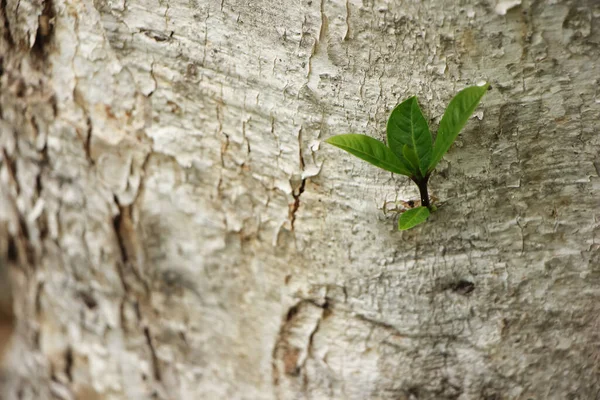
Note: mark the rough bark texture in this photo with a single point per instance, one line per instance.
(174, 229)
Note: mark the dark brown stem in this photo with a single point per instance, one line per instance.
(422, 185)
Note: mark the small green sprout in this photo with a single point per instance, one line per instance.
(411, 150)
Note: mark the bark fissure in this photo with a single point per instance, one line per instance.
(309, 354)
(45, 30)
(69, 363)
(127, 242)
(461, 286)
(7, 313)
(297, 191)
(347, 34)
(88, 140)
(155, 361)
(396, 331)
(11, 168)
(294, 344)
(296, 204)
(6, 28)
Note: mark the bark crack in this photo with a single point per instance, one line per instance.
(323, 28)
(347, 34)
(310, 345)
(392, 329)
(317, 41)
(155, 362)
(248, 148)
(7, 33)
(296, 193)
(296, 204)
(522, 237)
(11, 169)
(127, 243)
(87, 137)
(69, 363)
(225, 144)
(22, 245)
(45, 30)
(295, 343)
(205, 39)
(7, 314)
(88, 141)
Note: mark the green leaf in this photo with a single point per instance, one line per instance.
(372, 151)
(456, 116)
(407, 126)
(410, 156)
(412, 218)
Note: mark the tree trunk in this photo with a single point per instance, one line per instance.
(173, 227)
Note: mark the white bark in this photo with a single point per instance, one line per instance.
(174, 229)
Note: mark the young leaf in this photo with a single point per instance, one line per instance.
(456, 116)
(412, 217)
(407, 126)
(410, 156)
(372, 151)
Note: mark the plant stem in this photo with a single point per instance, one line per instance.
(422, 185)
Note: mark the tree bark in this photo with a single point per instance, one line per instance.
(173, 227)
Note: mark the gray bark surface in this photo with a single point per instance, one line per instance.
(173, 227)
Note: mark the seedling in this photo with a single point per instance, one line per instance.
(410, 148)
